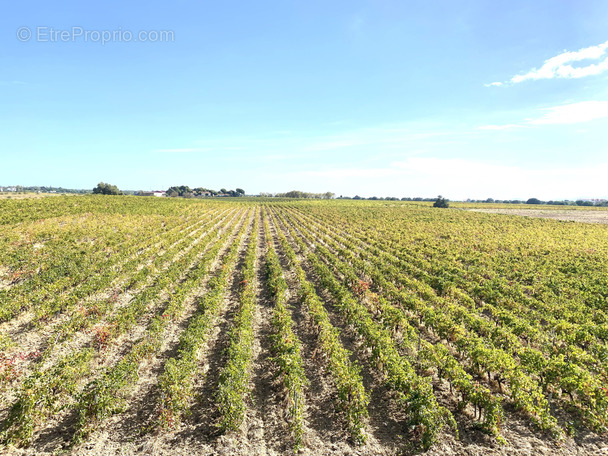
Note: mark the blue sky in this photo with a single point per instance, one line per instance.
(469, 99)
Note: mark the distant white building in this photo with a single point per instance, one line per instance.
(159, 193)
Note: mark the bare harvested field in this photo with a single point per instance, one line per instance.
(584, 216)
(153, 326)
(14, 195)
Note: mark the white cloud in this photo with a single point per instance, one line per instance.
(560, 66)
(583, 111)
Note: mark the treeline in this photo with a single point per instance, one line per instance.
(41, 189)
(186, 192)
(387, 198)
(601, 203)
(299, 194)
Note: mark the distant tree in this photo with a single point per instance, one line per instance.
(182, 190)
(489, 200)
(200, 191)
(534, 201)
(328, 195)
(223, 190)
(240, 191)
(584, 203)
(357, 197)
(441, 202)
(106, 189)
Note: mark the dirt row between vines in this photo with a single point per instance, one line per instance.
(29, 338)
(521, 437)
(56, 434)
(265, 429)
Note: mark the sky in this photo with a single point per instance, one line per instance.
(469, 99)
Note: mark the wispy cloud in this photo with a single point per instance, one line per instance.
(183, 150)
(498, 127)
(560, 66)
(461, 178)
(383, 140)
(333, 144)
(583, 111)
(573, 113)
(365, 173)
(356, 23)
(12, 83)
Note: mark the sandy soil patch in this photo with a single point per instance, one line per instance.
(566, 215)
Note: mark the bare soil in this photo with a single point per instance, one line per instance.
(565, 215)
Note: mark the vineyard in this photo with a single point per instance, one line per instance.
(249, 326)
